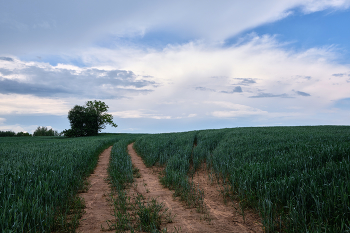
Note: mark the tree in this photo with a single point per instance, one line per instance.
(7, 133)
(100, 109)
(89, 119)
(23, 134)
(44, 131)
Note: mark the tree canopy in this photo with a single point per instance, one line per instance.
(13, 134)
(44, 131)
(89, 119)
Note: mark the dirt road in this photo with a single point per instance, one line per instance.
(219, 217)
(222, 218)
(98, 210)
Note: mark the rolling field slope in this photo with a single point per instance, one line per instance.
(297, 178)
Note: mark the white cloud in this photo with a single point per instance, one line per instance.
(266, 69)
(65, 27)
(18, 128)
(236, 110)
(229, 105)
(138, 114)
(42, 79)
(310, 6)
(193, 77)
(230, 114)
(26, 104)
(261, 66)
(142, 114)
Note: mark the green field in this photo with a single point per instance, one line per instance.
(40, 177)
(296, 178)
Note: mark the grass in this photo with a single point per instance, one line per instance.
(150, 214)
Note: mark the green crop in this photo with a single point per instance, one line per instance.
(40, 177)
(298, 178)
(176, 151)
(131, 213)
(120, 167)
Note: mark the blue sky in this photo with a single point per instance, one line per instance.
(166, 66)
(323, 28)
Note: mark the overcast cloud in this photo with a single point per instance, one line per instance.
(47, 81)
(168, 65)
(44, 27)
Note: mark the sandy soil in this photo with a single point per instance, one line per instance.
(98, 210)
(225, 216)
(221, 218)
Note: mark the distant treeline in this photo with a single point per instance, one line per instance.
(40, 131)
(13, 134)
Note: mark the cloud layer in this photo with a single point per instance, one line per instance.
(43, 80)
(168, 61)
(68, 26)
(177, 81)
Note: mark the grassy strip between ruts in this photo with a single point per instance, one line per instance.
(175, 150)
(132, 213)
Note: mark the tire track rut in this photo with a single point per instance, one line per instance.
(186, 219)
(98, 209)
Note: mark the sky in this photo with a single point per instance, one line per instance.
(172, 66)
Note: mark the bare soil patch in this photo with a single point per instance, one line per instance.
(98, 209)
(219, 217)
(225, 216)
